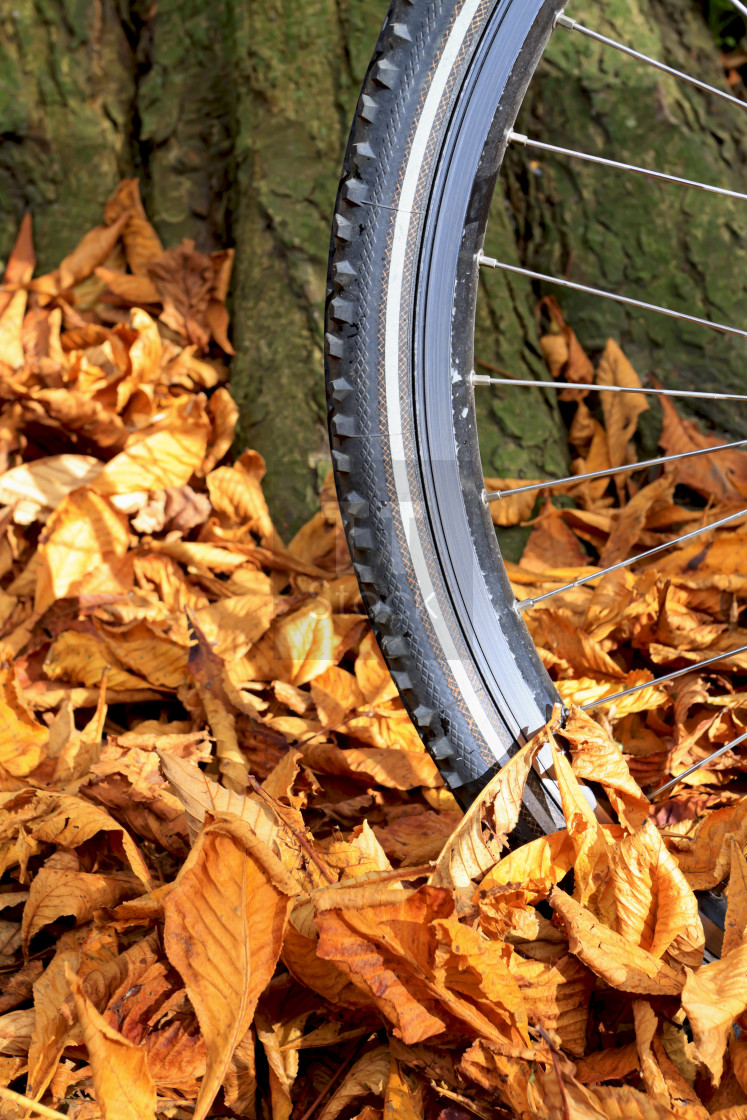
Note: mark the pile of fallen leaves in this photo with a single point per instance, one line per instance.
(232, 881)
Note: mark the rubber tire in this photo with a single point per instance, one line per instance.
(433, 623)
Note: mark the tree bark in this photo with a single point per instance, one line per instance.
(234, 115)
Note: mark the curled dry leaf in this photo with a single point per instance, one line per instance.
(84, 546)
(596, 757)
(225, 919)
(511, 509)
(58, 892)
(655, 907)
(467, 855)
(610, 955)
(369, 1074)
(713, 998)
(122, 1082)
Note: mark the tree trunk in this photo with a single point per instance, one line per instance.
(234, 115)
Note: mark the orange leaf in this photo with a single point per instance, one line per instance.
(713, 998)
(90, 252)
(588, 837)
(134, 289)
(611, 956)
(596, 757)
(57, 893)
(735, 926)
(369, 1075)
(631, 519)
(84, 545)
(225, 919)
(722, 476)
(534, 868)
(511, 509)
(142, 244)
(556, 995)
(165, 455)
(469, 852)
(551, 544)
(705, 856)
(655, 907)
(399, 1099)
(621, 410)
(22, 738)
(122, 1083)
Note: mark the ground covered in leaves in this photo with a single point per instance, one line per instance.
(233, 883)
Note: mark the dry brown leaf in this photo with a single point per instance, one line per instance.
(142, 244)
(57, 892)
(134, 289)
(608, 954)
(164, 456)
(565, 357)
(735, 924)
(467, 855)
(631, 520)
(556, 995)
(596, 757)
(621, 410)
(713, 998)
(551, 543)
(122, 1082)
(534, 868)
(369, 1074)
(655, 907)
(22, 739)
(224, 414)
(589, 839)
(225, 919)
(399, 1098)
(705, 855)
(83, 547)
(722, 477)
(511, 509)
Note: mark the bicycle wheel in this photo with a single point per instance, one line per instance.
(432, 126)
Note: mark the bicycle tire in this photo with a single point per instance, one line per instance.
(443, 88)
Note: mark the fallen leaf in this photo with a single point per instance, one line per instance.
(225, 919)
(122, 1083)
(596, 757)
(467, 855)
(611, 956)
(713, 997)
(621, 410)
(84, 546)
(656, 909)
(142, 244)
(735, 924)
(368, 1075)
(57, 893)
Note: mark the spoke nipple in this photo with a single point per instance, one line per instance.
(524, 605)
(517, 138)
(488, 262)
(485, 498)
(480, 378)
(562, 20)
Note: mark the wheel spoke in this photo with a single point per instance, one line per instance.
(699, 765)
(481, 379)
(491, 262)
(739, 6)
(525, 141)
(573, 25)
(665, 679)
(525, 604)
(608, 472)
